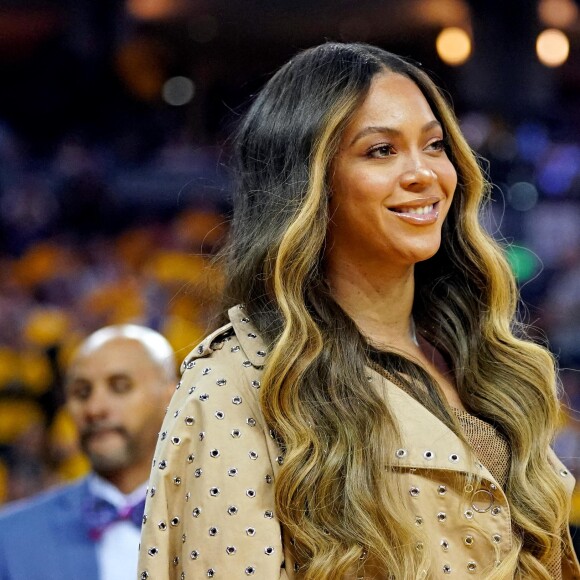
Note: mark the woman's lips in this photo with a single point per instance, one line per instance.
(417, 214)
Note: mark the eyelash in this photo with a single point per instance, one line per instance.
(377, 148)
(438, 145)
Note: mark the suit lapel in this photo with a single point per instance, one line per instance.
(79, 554)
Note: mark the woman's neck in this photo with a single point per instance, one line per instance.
(380, 303)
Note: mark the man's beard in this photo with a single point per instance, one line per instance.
(120, 457)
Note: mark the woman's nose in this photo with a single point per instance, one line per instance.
(417, 178)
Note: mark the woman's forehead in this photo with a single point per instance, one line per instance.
(392, 101)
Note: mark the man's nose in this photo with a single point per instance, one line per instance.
(97, 405)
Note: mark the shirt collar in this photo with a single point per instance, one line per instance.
(104, 489)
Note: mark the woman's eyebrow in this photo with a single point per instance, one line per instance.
(373, 129)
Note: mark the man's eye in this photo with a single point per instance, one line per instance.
(80, 392)
(120, 384)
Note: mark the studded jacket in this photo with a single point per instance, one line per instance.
(210, 505)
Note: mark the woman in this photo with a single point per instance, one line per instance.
(371, 410)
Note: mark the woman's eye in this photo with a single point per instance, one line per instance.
(438, 145)
(384, 150)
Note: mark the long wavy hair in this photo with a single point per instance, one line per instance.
(333, 495)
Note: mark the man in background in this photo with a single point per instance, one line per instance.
(117, 390)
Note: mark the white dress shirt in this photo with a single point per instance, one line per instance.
(117, 549)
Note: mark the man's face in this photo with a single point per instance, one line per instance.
(117, 398)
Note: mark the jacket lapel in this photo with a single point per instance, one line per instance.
(426, 442)
(79, 554)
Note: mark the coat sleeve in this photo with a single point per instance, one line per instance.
(210, 503)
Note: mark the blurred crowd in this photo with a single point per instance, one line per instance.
(76, 256)
(87, 240)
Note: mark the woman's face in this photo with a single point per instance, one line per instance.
(391, 181)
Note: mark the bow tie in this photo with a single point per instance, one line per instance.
(99, 514)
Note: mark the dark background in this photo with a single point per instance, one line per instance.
(112, 200)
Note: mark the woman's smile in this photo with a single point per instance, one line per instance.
(417, 212)
(392, 182)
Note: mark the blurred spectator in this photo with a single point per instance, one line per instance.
(57, 290)
(117, 388)
(29, 212)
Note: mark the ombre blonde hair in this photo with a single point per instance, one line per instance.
(333, 494)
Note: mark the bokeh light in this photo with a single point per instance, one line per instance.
(552, 47)
(557, 13)
(453, 46)
(532, 139)
(476, 128)
(153, 9)
(523, 196)
(443, 12)
(524, 263)
(559, 169)
(139, 63)
(178, 91)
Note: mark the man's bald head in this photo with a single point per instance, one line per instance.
(156, 345)
(117, 389)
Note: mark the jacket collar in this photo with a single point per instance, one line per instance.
(426, 442)
(253, 346)
(248, 336)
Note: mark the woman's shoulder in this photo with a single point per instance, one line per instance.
(237, 342)
(215, 463)
(222, 374)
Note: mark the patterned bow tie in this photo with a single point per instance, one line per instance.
(99, 514)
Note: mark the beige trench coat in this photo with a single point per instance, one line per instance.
(210, 505)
